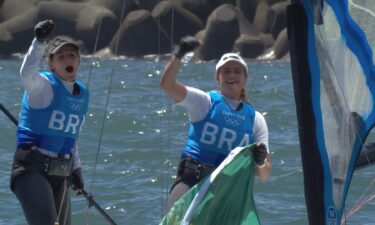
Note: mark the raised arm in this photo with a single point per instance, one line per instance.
(29, 71)
(175, 89)
(38, 87)
(30, 67)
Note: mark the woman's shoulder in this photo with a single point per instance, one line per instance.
(259, 118)
(81, 84)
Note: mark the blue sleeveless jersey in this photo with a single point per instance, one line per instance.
(56, 127)
(211, 139)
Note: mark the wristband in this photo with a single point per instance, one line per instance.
(178, 54)
(263, 165)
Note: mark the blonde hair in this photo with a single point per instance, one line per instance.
(244, 96)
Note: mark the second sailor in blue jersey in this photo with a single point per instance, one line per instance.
(52, 112)
(220, 120)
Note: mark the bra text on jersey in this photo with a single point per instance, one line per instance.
(227, 136)
(68, 124)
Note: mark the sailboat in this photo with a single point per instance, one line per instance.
(334, 78)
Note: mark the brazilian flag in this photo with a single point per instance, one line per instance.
(223, 198)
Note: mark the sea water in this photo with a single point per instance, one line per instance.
(133, 136)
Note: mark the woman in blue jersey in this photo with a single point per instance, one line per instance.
(219, 120)
(53, 109)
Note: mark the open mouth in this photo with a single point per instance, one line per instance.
(69, 69)
(231, 82)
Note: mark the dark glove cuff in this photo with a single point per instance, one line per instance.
(178, 53)
(41, 40)
(263, 165)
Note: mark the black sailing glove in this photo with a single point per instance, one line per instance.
(77, 180)
(187, 44)
(260, 153)
(43, 29)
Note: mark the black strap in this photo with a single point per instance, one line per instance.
(190, 167)
(76, 89)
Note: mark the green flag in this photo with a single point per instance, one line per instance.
(223, 198)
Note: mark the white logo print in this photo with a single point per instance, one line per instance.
(75, 106)
(232, 121)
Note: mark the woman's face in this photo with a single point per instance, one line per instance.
(231, 78)
(64, 63)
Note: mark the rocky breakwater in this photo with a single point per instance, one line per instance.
(137, 28)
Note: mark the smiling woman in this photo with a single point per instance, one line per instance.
(220, 120)
(229, 76)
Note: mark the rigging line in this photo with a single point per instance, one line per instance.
(102, 129)
(162, 156)
(107, 102)
(367, 189)
(169, 102)
(361, 8)
(160, 125)
(91, 69)
(168, 111)
(169, 107)
(357, 207)
(362, 201)
(94, 51)
(89, 80)
(8, 114)
(92, 202)
(62, 203)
